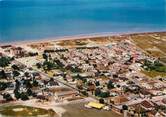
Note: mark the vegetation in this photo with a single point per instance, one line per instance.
(3, 86)
(101, 94)
(15, 67)
(110, 85)
(154, 66)
(154, 69)
(25, 112)
(3, 74)
(24, 96)
(4, 61)
(16, 73)
(7, 97)
(153, 74)
(48, 65)
(153, 46)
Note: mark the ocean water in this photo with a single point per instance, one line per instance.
(37, 19)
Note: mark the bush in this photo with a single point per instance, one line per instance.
(7, 97)
(3, 86)
(104, 94)
(24, 96)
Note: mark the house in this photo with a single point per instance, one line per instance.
(147, 105)
(118, 100)
(14, 51)
(66, 94)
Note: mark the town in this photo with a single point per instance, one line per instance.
(112, 73)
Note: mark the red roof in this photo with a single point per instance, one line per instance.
(147, 104)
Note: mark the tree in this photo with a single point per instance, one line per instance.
(26, 74)
(97, 83)
(3, 86)
(29, 92)
(17, 86)
(124, 107)
(15, 67)
(124, 110)
(27, 84)
(15, 73)
(4, 61)
(59, 63)
(24, 96)
(39, 65)
(110, 85)
(7, 97)
(45, 83)
(16, 93)
(101, 100)
(104, 94)
(47, 65)
(35, 83)
(3, 74)
(97, 91)
(45, 56)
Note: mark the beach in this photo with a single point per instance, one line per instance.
(76, 37)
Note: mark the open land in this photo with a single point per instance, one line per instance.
(103, 75)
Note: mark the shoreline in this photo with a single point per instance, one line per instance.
(77, 37)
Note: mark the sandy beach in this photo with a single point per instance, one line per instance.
(76, 37)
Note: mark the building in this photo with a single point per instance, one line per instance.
(95, 105)
(118, 100)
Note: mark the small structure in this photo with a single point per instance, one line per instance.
(95, 105)
(118, 100)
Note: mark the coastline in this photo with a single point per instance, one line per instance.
(76, 37)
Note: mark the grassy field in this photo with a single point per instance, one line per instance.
(153, 45)
(24, 111)
(154, 74)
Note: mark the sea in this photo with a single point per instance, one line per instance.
(22, 20)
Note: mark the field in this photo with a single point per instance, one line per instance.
(25, 111)
(154, 74)
(152, 44)
(78, 110)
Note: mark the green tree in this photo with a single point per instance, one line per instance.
(17, 86)
(7, 97)
(39, 65)
(16, 73)
(24, 96)
(16, 93)
(45, 56)
(110, 85)
(29, 92)
(104, 94)
(97, 91)
(35, 83)
(47, 65)
(15, 67)
(3, 86)
(4, 61)
(101, 100)
(3, 75)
